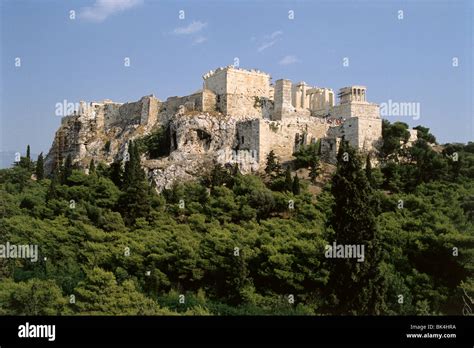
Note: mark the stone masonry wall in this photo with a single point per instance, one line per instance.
(209, 100)
(361, 133)
(150, 109)
(238, 91)
(248, 140)
(354, 109)
(190, 102)
(283, 137)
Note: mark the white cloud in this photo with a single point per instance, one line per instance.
(287, 60)
(266, 45)
(199, 40)
(269, 40)
(105, 8)
(192, 28)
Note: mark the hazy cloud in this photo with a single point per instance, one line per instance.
(287, 60)
(102, 9)
(266, 45)
(199, 40)
(269, 40)
(192, 28)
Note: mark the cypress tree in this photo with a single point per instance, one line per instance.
(296, 185)
(358, 286)
(135, 199)
(25, 162)
(368, 171)
(116, 173)
(133, 171)
(67, 171)
(288, 180)
(314, 163)
(52, 191)
(39, 171)
(271, 162)
(92, 167)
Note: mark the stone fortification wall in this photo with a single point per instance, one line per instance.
(362, 133)
(238, 91)
(190, 102)
(355, 109)
(283, 137)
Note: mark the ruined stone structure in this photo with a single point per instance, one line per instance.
(237, 117)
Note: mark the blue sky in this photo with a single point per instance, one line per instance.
(405, 60)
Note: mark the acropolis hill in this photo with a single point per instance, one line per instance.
(237, 117)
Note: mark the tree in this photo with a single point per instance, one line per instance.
(218, 176)
(52, 190)
(100, 293)
(67, 171)
(429, 164)
(271, 162)
(33, 297)
(135, 200)
(25, 162)
(306, 154)
(314, 166)
(393, 135)
(157, 144)
(133, 172)
(115, 173)
(296, 185)
(39, 171)
(368, 170)
(424, 133)
(288, 180)
(357, 285)
(92, 166)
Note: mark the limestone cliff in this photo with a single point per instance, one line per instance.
(198, 140)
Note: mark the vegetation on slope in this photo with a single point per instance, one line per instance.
(243, 244)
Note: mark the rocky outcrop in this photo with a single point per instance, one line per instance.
(197, 141)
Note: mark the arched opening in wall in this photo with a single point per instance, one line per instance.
(242, 140)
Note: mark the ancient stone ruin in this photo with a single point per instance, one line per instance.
(237, 117)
